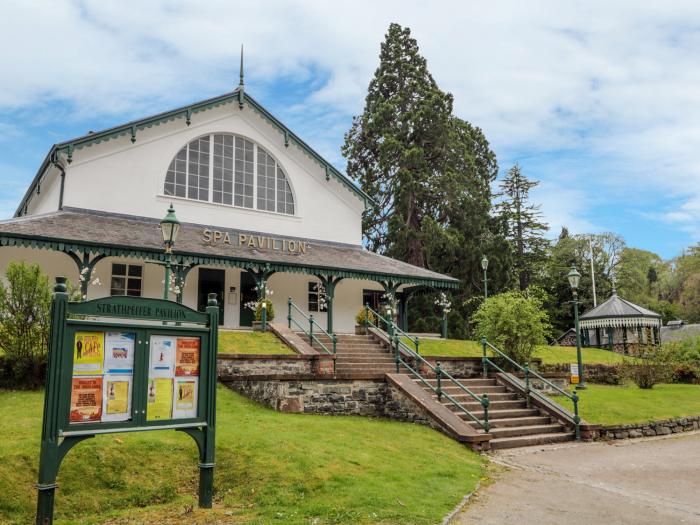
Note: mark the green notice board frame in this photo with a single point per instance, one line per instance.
(140, 319)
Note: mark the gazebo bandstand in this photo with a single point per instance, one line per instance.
(620, 326)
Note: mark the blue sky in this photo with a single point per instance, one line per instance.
(599, 102)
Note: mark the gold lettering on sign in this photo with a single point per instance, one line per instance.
(261, 242)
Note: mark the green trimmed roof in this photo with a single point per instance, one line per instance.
(186, 113)
(117, 235)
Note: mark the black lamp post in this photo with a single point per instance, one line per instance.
(484, 266)
(574, 278)
(169, 227)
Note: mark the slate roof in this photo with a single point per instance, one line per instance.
(102, 232)
(616, 306)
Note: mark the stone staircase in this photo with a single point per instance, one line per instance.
(359, 354)
(512, 424)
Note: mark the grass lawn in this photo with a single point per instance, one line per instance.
(548, 354)
(271, 468)
(613, 405)
(240, 342)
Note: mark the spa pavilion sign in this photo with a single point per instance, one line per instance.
(260, 211)
(261, 242)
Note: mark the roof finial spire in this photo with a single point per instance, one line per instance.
(240, 83)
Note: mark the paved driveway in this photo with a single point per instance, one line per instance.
(654, 480)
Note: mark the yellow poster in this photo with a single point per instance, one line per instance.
(88, 353)
(117, 398)
(159, 403)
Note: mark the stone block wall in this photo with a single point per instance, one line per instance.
(655, 428)
(598, 373)
(256, 365)
(370, 397)
(459, 367)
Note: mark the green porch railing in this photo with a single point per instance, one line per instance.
(527, 373)
(308, 329)
(395, 337)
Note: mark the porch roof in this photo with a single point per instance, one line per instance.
(110, 234)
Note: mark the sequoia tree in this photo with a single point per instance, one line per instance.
(430, 173)
(396, 148)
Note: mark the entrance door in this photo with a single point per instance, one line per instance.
(248, 293)
(211, 281)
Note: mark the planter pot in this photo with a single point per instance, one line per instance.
(360, 329)
(257, 326)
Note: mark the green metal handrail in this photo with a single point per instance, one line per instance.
(399, 346)
(310, 332)
(392, 329)
(527, 372)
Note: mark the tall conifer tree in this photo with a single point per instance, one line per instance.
(525, 227)
(430, 173)
(396, 147)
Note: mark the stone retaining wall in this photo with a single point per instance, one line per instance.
(460, 367)
(362, 397)
(597, 373)
(246, 364)
(654, 428)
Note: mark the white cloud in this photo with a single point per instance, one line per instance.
(615, 82)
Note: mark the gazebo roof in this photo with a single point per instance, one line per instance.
(618, 312)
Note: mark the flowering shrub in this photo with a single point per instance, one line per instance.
(256, 306)
(443, 303)
(361, 317)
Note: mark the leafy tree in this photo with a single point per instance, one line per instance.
(525, 229)
(636, 272)
(513, 322)
(25, 303)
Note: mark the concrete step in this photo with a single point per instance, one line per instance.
(493, 396)
(366, 367)
(516, 421)
(361, 358)
(512, 413)
(527, 430)
(530, 440)
(477, 389)
(468, 382)
(493, 405)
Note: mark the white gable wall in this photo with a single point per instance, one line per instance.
(121, 177)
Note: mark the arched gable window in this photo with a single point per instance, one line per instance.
(228, 169)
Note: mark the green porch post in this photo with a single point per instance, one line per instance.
(85, 267)
(611, 333)
(261, 275)
(403, 301)
(181, 272)
(329, 282)
(390, 288)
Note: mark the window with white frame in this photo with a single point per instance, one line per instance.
(127, 279)
(317, 297)
(228, 169)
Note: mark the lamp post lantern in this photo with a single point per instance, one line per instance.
(484, 266)
(169, 227)
(574, 278)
